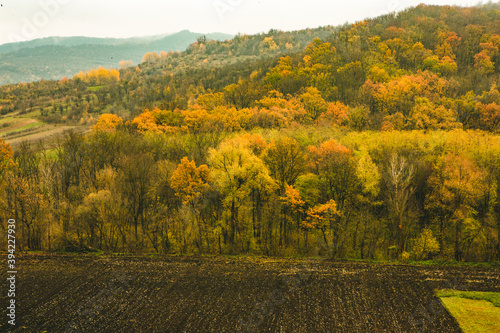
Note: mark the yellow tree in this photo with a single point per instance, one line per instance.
(96, 215)
(237, 173)
(190, 184)
(483, 63)
(107, 123)
(427, 115)
(146, 122)
(456, 186)
(6, 158)
(210, 101)
(286, 161)
(369, 177)
(295, 203)
(335, 164)
(24, 200)
(337, 114)
(313, 103)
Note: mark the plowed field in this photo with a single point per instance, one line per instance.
(59, 293)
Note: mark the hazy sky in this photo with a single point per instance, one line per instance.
(30, 19)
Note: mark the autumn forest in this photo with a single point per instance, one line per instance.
(374, 140)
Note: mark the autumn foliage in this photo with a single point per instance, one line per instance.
(377, 141)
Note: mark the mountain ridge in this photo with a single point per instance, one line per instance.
(57, 57)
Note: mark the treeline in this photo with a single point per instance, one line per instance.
(307, 190)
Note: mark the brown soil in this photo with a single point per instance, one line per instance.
(66, 293)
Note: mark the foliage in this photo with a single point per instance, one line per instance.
(425, 245)
(354, 141)
(107, 122)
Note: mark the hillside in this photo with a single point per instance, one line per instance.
(56, 57)
(377, 139)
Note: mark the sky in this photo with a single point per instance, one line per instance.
(30, 19)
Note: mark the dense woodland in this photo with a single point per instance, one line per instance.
(376, 140)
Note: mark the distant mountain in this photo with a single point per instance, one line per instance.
(56, 57)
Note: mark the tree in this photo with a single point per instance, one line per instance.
(190, 184)
(399, 178)
(295, 205)
(456, 186)
(488, 116)
(236, 171)
(425, 245)
(370, 178)
(135, 176)
(28, 207)
(6, 158)
(337, 114)
(285, 161)
(320, 217)
(96, 214)
(313, 103)
(268, 44)
(210, 101)
(336, 167)
(335, 164)
(427, 115)
(108, 122)
(483, 63)
(399, 95)
(243, 94)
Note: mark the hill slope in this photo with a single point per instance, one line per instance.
(56, 57)
(350, 138)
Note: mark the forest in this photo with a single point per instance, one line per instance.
(373, 140)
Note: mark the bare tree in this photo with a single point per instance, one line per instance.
(399, 183)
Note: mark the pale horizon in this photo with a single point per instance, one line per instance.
(34, 19)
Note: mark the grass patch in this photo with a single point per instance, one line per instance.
(51, 154)
(32, 114)
(27, 127)
(95, 88)
(492, 297)
(11, 120)
(430, 263)
(474, 311)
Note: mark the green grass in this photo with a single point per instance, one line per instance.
(51, 154)
(449, 262)
(24, 128)
(95, 88)
(474, 311)
(434, 262)
(492, 297)
(11, 120)
(32, 114)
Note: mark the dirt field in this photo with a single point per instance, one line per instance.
(192, 294)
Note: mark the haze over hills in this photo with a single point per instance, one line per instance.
(56, 57)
